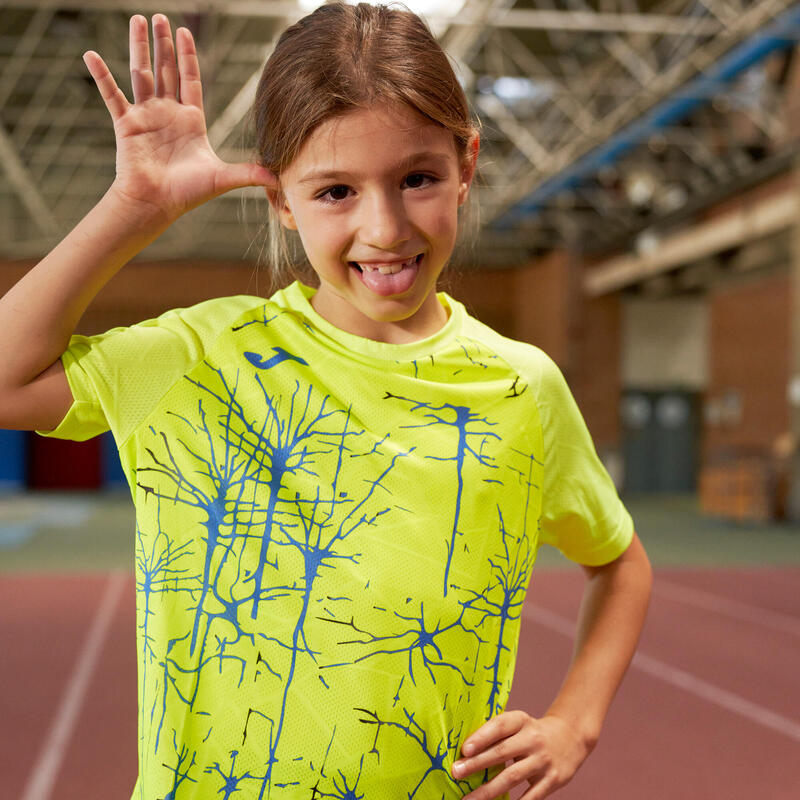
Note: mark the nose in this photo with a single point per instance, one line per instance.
(385, 224)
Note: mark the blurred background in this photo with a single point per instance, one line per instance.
(637, 216)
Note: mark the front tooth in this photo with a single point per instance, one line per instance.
(389, 269)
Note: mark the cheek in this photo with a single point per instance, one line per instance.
(443, 224)
(321, 237)
(436, 218)
(310, 223)
(443, 215)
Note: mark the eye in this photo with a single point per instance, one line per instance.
(331, 195)
(415, 176)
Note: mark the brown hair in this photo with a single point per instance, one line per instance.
(341, 58)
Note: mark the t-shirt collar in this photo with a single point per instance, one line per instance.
(297, 297)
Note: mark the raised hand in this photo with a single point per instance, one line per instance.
(165, 163)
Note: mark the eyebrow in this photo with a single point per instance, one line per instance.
(440, 159)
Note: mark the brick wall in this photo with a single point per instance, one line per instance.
(749, 354)
(542, 306)
(487, 294)
(596, 379)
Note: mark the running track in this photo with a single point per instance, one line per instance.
(710, 709)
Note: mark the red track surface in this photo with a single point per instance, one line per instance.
(734, 633)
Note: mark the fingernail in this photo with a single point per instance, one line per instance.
(458, 766)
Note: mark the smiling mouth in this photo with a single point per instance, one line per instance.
(387, 269)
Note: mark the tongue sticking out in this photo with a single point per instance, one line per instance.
(395, 283)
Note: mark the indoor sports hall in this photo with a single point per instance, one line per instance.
(636, 215)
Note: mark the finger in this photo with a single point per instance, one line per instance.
(493, 756)
(141, 71)
(166, 73)
(116, 102)
(542, 789)
(188, 69)
(236, 175)
(496, 729)
(503, 782)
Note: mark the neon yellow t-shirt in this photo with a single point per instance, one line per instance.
(334, 537)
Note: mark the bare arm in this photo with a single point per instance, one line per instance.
(165, 167)
(612, 614)
(40, 312)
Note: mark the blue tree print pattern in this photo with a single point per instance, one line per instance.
(159, 569)
(463, 420)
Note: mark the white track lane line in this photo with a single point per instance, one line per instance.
(679, 678)
(45, 770)
(723, 605)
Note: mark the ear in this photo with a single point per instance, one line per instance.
(468, 166)
(278, 201)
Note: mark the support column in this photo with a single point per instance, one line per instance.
(541, 305)
(793, 389)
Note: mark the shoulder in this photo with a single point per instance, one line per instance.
(208, 317)
(182, 334)
(537, 368)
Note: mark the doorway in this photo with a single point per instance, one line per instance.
(660, 440)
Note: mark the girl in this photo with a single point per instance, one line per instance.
(339, 491)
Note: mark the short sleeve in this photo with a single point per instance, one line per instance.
(119, 376)
(582, 514)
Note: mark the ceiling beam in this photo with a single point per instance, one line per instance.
(532, 19)
(633, 111)
(748, 223)
(20, 178)
(25, 48)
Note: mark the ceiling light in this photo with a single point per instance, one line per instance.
(647, 242)
(671, 197)
(640, 186)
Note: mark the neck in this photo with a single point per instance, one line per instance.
(429, 318)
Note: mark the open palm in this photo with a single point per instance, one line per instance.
(165, 163)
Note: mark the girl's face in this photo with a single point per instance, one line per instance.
(374, 195)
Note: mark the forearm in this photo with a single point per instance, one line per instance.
(611, 618)
(40, 312)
